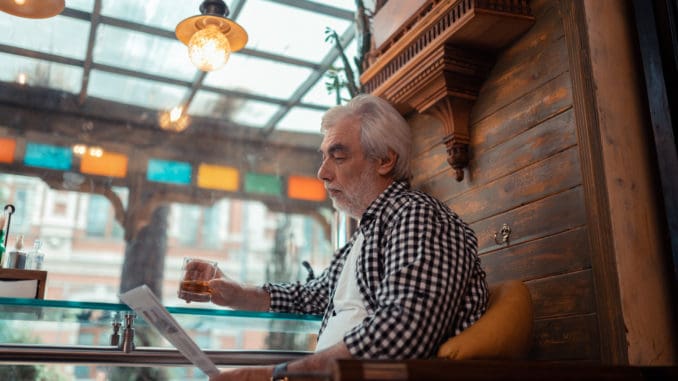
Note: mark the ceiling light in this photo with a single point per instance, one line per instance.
(174, 120)
(33, 9)
(211, 37)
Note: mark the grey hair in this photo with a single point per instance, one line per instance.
(382, 128)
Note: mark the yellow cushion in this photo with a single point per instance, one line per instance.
(503, 332)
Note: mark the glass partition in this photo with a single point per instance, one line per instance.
(62, 337)
(56, 322)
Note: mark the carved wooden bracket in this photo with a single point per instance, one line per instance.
(439, 58)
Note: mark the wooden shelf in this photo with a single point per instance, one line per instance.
(17, 274)
(439, 58)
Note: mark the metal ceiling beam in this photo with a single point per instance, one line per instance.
(197, 84)
(236, 8)
(314, 7)
(87, 66)
(9, 49)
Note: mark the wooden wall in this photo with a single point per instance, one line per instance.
(525, 171)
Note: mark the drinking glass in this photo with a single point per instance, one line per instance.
(195, 276)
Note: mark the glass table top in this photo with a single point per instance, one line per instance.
(58, 322)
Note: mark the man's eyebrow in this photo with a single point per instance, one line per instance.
(338, 147)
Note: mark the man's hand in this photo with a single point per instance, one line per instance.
(226, 292)
(258, 373)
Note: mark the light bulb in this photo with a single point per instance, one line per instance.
(79, 149)
(21, 78)
(209, 49)
(174, 120)
(175, 114)
(96, 151)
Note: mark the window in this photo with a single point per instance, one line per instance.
(97, 216)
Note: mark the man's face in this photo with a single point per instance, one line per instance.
(351, 179)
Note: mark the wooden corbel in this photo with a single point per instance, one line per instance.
(439, 58)
(454, 114)
(449, 81)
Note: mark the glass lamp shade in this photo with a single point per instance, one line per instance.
(34, 9)
(209, 48)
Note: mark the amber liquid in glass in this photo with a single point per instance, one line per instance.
(195, 286)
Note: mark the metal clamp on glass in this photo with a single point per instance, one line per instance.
(127, 344)
(115, 337)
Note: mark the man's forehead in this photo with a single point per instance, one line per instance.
(343, 136)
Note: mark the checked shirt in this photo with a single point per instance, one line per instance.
(418, 272)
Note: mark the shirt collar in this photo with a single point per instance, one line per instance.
(383, 199)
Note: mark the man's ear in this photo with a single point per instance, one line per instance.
(387, 163)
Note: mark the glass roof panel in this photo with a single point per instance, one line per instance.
(286, 30)
(81, 5)
(254, 113)
(143, 52)
(348, 5)
(242, 111)
(261, 17)
(301, 119)
(319, 95)
(134, 91)
(58, 35)
(255, 75)
(157, 13)
(40, 73)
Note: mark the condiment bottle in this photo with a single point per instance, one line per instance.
(36, 256)
(17, 258)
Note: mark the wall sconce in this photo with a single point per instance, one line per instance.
(211, 37)
(32, 9)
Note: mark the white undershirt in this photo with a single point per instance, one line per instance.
(348, 302)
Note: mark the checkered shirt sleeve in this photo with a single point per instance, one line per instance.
(301, 298)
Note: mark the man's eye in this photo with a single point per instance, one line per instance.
(339, 159)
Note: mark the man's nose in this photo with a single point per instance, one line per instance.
(324, 173)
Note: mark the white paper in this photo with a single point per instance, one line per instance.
(18, 288)
(145, 303)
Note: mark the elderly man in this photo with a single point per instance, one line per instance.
(409, 278)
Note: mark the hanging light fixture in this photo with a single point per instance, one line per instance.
(174, 120)
(211, 37)
(32, 9)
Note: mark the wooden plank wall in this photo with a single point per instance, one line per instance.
(525, 171)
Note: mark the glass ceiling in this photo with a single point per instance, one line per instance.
(276, 82)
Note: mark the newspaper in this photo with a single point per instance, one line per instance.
(145, 303)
